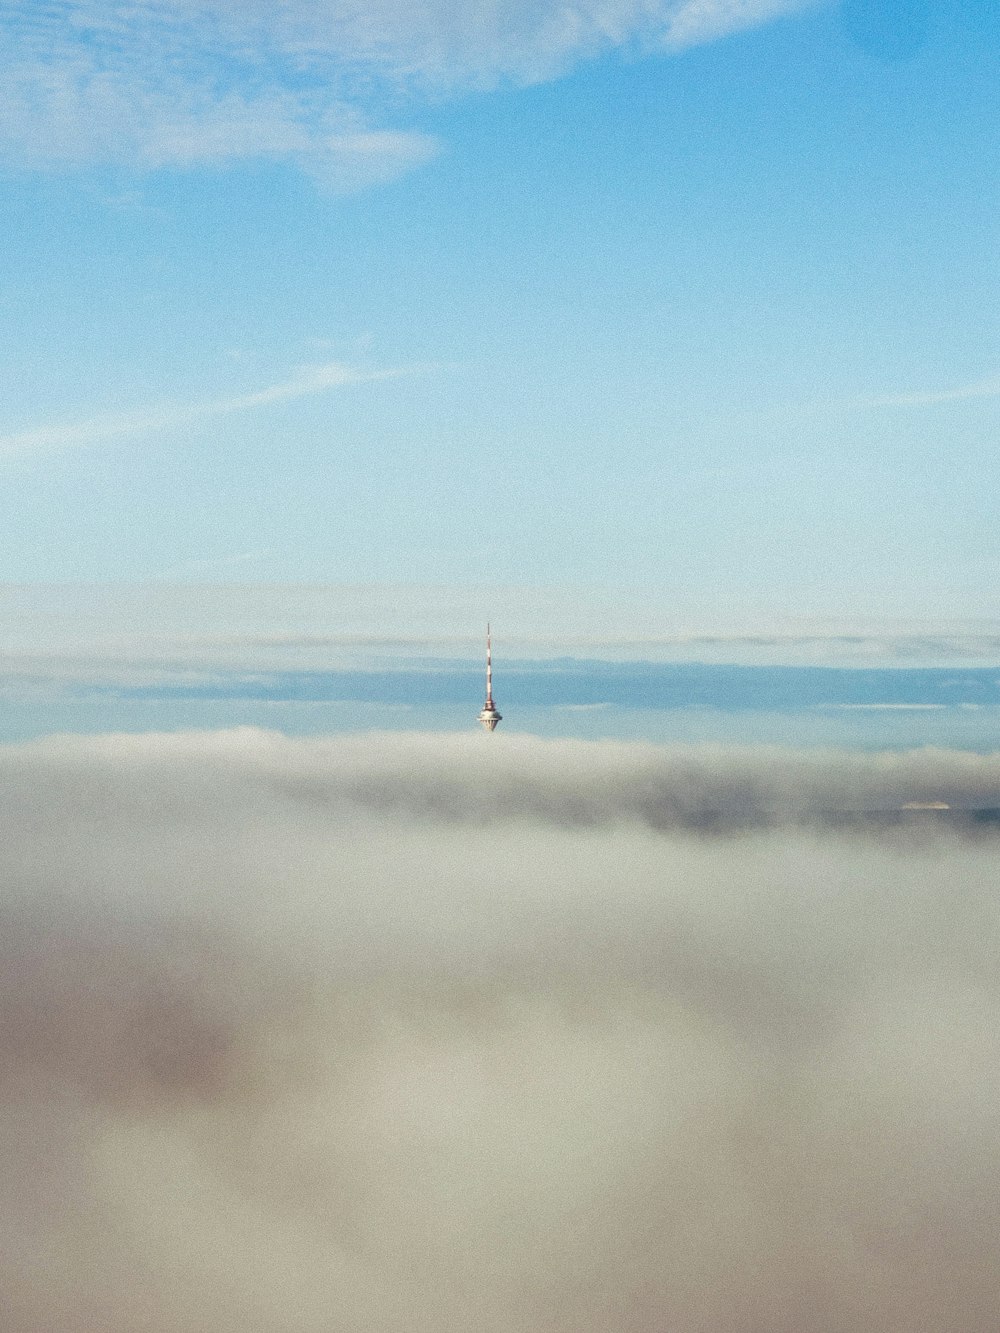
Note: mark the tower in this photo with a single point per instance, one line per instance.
(489, 717)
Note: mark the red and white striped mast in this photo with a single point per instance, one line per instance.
(489, 717)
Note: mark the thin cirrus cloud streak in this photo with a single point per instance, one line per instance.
(94, 430)
(961, 393)
(166, 83)
(976, 391)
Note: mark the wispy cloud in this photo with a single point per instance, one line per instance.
(235, 564)
(306, 381)
(976, 391)
(181, 82)
(701, 21)
(961, 393)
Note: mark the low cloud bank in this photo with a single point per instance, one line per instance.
(451, 1033)
(472, 779)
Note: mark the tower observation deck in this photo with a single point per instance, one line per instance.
(489, 717)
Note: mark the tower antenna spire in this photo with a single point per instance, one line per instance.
(490, 716)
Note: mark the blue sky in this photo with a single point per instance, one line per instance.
(696, 298)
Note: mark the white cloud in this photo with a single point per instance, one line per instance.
(180, 82)
(301, 1036)
(700, 21)
(308, 380)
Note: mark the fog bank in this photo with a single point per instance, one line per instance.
(452, 1033)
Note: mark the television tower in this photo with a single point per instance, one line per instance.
(489, 717)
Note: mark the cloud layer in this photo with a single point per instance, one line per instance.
(182, 82)
(304, 1036)
(170, 631)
